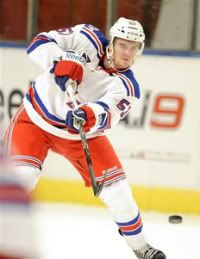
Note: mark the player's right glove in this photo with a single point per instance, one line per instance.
(82, 116)
(70, 67)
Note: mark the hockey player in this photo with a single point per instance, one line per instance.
(106, 90)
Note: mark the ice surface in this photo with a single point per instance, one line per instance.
(71, 231)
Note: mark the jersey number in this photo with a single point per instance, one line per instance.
(123, 106)
(65, 31)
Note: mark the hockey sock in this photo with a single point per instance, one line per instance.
(118, 198)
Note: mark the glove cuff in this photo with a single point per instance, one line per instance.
(69, 68)
(90, 118)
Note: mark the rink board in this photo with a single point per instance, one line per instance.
(159, 199)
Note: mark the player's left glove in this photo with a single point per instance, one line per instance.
(70, 68)
(82, 116)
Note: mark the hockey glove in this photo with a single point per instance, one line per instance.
(70, 67)
(82, 116)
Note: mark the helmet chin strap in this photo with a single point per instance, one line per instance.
(109, 56)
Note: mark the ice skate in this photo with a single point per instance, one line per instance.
(148, 252)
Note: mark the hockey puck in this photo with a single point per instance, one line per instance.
(175, 219)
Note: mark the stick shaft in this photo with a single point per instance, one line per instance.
(95, 188)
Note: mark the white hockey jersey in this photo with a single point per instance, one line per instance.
(109, 94)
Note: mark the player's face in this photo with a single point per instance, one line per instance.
(124, 53)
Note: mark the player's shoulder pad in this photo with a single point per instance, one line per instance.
(96, 37)
(130, 83)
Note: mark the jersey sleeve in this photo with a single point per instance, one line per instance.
(47, 47)
(115, 105)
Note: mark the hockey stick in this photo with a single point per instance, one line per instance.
(97, 187)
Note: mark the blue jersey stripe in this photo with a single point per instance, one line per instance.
(93, 42)
(101, 38)
(136, 87)
(126, 86)
(129, 74)
(104, 105)
(44, 109)
(37, 42)
(35, 45)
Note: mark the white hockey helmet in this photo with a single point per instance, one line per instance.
(129, 30)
